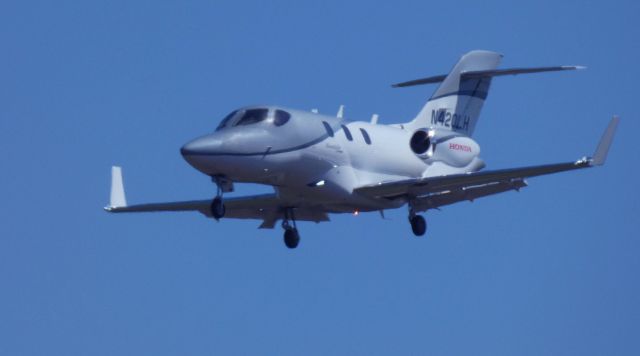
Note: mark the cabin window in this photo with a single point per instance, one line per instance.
(328, 128)
(225, 121)
(252, 116)
(366, 137)
(347, 133)
(281, 117)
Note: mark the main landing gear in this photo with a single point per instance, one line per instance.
(291, 236)
(418, 223)
(217, 205)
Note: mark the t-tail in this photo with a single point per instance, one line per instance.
(456, 104)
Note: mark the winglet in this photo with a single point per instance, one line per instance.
(605, 142)
(117, 189)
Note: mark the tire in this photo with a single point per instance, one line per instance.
(291, 238)
(217, 208)
(418, 225)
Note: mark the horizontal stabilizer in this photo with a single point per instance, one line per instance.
(428, 80)
(487, 74)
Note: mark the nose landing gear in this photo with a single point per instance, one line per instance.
(291, 236)
(217, 208)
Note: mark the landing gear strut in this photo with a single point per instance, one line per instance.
(217, 206)
(418, 224)
(291, 236)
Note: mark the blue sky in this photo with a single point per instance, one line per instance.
(84, 85)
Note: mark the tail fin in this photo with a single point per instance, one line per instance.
(457, 102)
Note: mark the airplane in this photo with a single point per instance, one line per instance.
(320, 165)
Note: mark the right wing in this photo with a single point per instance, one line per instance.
(267, 207)
(432, 192)
(433, 185)
(434, 201)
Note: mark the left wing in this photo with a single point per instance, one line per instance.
(267, 207)
(431, 192)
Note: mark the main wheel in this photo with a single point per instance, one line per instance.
(217, 208)
(418, 225)
(291, 237)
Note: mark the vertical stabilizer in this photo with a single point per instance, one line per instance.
(457, 102)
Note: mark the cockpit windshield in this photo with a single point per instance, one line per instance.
(281, 117)
(252, 116)
(226, 120)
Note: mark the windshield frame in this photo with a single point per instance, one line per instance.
(252, 116)
(255, 115)
(227, 119)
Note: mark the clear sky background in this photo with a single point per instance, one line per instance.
(87, 84)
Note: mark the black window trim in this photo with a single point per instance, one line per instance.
(328, 128)
(365, 135)
(347, 132)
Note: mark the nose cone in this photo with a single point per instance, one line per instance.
(198, 147)
(199, 151)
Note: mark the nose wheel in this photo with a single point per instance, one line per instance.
(217, 208)
(418, 225)
(291, 235)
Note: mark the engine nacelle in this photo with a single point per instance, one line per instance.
(457, 151)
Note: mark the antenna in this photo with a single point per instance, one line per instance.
(374, 119)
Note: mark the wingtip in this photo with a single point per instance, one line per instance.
(575, 67)
(117, 197)
(600, 155)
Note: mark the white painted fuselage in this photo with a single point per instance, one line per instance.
(315, 159)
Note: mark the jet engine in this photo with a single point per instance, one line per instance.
(454, 150)
(422, 143)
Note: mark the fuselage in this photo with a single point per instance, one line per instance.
(317, 159)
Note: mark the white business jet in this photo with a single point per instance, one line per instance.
(320, 165)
